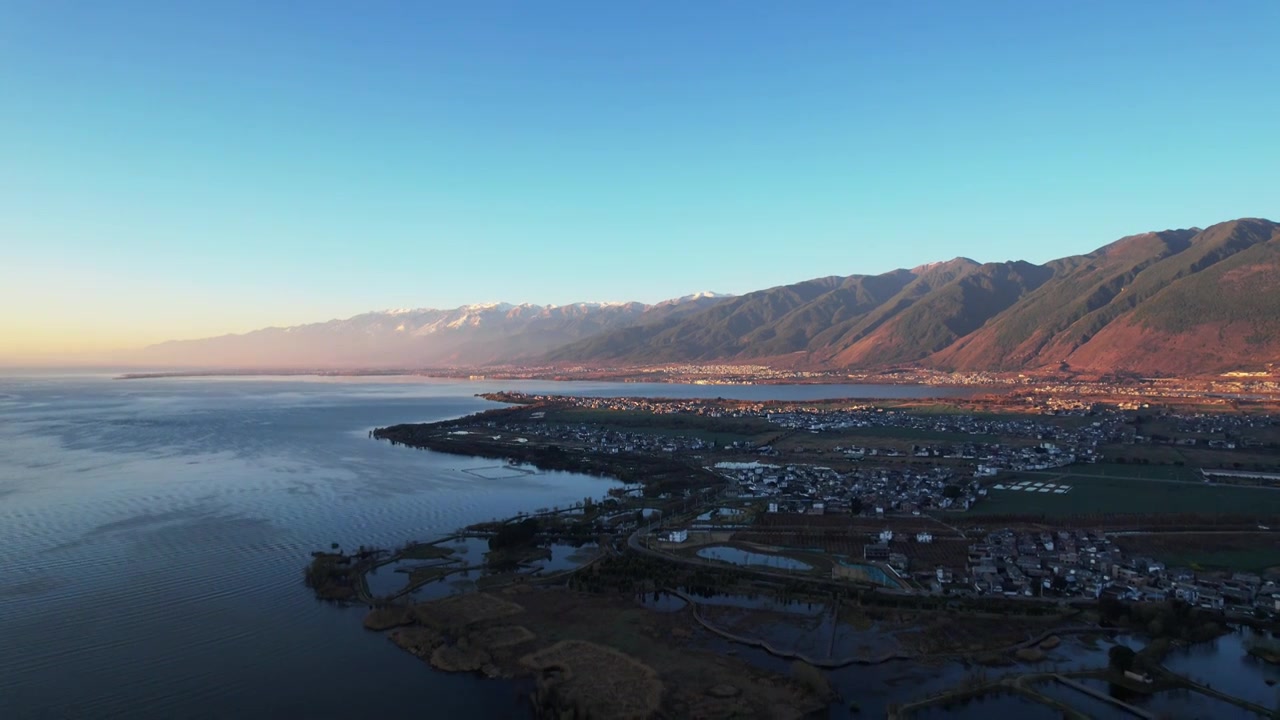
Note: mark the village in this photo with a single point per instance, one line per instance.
(904, 505)
(1063, 518)
(1053, 563)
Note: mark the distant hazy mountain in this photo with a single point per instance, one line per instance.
(468, 335)
(1178, 301)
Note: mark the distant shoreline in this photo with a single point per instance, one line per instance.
(621, 377)
(265, 373)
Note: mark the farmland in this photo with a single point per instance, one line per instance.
(1135, 456)
(1094, 493)
(908, 433)
(1123, 471)
(712, 429)
(1238, 551)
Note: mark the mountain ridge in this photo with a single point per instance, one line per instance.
(1100, 311)
(1178, 301)
(474, 334)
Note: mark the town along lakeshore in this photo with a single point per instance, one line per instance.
(730, 501)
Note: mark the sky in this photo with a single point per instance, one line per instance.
(175, 170)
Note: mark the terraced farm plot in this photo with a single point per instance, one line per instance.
(1090, 494)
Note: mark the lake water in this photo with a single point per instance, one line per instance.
(871, 573)
(746, 557)
(153, 534)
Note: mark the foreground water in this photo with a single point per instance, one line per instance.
(152, 535)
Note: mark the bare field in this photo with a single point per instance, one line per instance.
(598, 655)
(467, 609)
(598, 681)
(846, 522)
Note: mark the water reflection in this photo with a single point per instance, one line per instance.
(1225, 664)
(746, 557)
(663, 602)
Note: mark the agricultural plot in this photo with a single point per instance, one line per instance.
(1031, 486)
(1242, 551)
(711, 429)
(837, 525)
(950, 553)
(917, 434)
(1134, 470)
(1093, 494)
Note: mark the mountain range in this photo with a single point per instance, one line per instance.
(1175, 302)
(470, 335)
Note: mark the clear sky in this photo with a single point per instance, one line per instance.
(180, 169)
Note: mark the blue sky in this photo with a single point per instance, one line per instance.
(185, 169)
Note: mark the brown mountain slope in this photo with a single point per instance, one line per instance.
(1226, 316)
(771, 323)
(1172, 302)
(1081, 285)
(946, 313)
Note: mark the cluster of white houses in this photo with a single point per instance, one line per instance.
(1081, 563)
(868, 490)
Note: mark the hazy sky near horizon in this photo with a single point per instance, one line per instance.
(175, 170)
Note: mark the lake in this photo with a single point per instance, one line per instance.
(153, 534)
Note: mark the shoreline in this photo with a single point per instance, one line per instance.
(624, 378)
(517, 625)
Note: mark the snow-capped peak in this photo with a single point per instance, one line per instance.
(705, 294)
(478, 307)
(487, 307)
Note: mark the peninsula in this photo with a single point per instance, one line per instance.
(994, 531)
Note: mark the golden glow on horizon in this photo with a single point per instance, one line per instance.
(64, 339)
(73, 315)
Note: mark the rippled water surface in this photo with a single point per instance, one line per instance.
(153, 533)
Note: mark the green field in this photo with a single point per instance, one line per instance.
(1090, 494)
(718, 430)
(1256, 560)
(1125, 470)
(1192, 457)
(895, 433)
(1245, 551)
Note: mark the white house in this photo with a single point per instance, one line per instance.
(677, 536)
(924, 537)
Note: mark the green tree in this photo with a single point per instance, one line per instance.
(1121, 657)
(513, 534)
